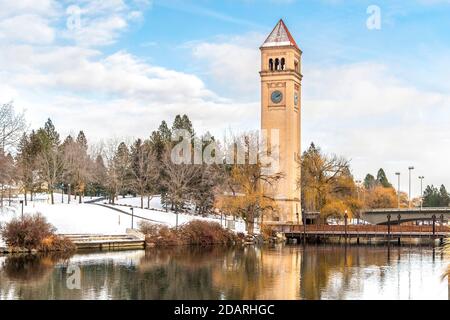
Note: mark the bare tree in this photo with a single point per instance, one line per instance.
(51, 166)
(12, 126)
(78, 165)
(107, 149)
(180, 180)
(144, 170)
(7, 175)
(252, 185)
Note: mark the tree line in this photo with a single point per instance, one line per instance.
(41, 161)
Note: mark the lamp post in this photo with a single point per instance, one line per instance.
(68, 194)
(62, 192)
(358, 186)
(389, 224)
(21, 203)
(132, 218)
(410, 169)
(421, 191)
(304, 225)
(398, 189)
(346, 217)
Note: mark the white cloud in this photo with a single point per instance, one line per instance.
(366, 114)
(26, 28)
(101, 22)
(231, 63)
(44, 8)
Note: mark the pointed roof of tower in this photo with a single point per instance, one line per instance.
(280, 36)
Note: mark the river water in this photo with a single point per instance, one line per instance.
(270, 272)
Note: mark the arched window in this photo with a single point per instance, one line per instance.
(271, 64)
(296, 66)
(283, 62)
(277, 64)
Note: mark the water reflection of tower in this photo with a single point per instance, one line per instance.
(286, 264)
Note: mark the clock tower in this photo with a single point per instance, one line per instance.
(280, 114)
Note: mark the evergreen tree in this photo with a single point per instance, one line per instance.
(165, 133)
(370, 182)
(49, 160)
(122, 164)
(444, 198)
(177, 123)
(183, 122)
(52, 136)
(82, 141)
(187, 124)
(431, 197)
(382, 179)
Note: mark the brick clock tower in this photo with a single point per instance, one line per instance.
(281, 110)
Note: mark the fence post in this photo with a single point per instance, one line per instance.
(389, 225)
(345, 228)
(434, 225)
(304, 225)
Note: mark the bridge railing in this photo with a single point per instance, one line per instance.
(361, 229)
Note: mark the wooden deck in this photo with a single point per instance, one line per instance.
(363, 231)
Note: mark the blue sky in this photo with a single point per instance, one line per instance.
(378, 97)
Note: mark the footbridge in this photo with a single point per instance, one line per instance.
(398, 216)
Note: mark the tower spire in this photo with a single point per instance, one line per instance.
(280, 36)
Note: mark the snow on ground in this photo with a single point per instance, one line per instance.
(158, 213)
(155, 202)
(75, 218)
(170, 218)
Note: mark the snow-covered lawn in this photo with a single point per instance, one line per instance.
(155, 202)
(86, 218)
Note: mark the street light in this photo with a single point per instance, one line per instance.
(358, 185)
(410, 169)
(21, 202)
(398, 190)
(345, 222)
(421, 191)
(132, 218)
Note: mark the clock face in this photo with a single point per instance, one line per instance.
(296, 99)
(277, 96)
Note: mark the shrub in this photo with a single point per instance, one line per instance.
(34, 232)
(206, 233)
(193, 233)
(267, 232)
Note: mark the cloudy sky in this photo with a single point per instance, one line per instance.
(380, 97)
